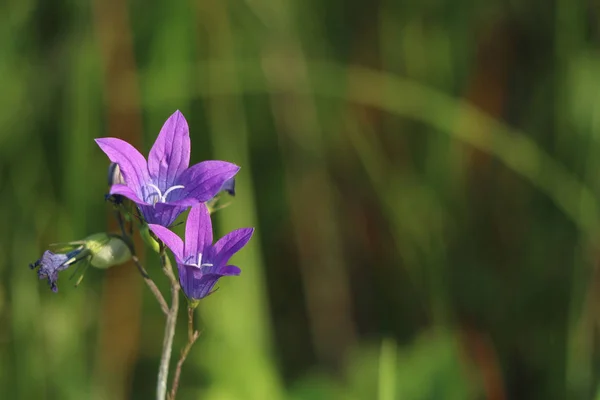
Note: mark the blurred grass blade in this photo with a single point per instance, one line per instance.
(387, 370)
(412, 100)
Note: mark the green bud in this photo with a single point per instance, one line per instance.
(107, 250)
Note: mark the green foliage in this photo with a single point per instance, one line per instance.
(412, 169)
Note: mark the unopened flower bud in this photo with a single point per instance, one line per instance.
(107, 250)
(115, 178)
(114, 175)
(229, 186)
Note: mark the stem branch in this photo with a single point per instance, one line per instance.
(192, 337)
(149, 282)
(151, 285)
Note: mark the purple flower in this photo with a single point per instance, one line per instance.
(200, 263)
(51, 264)
(164, 186)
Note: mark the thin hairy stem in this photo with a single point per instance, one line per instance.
(151, 285)
(163, 371)
(149, 282)
(119, 218)
(192, 337)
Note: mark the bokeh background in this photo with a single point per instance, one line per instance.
(423, 177)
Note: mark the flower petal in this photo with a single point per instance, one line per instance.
(127, 192)
(198, 231)
(161, 213)
(199, 282)
(131, 163)
(171, 240)
(208, 280)
(230, 244)
(204, 180)
(170, 154)
(227, 270)
(187, 202)
(204, 286)
(188, 276)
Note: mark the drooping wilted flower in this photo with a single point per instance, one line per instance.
(165, 186)
(101, 250)
(52, 263)
(200, 263)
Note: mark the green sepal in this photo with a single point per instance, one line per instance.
(149, 239)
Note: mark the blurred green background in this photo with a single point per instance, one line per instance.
(423, 177)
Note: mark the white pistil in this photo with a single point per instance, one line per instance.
(163, 197)
(199, 262)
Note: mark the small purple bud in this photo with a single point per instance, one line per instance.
(229, 186)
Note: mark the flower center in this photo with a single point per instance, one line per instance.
(162, 198)
(198, 263)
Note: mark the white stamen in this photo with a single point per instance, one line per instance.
(199, 262)
(163, 197)
(158, 193)
(169, 190)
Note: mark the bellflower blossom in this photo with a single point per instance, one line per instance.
(165, 185)
(200, 263)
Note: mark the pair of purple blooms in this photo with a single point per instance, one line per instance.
(164, 187)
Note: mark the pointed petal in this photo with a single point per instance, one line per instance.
(204, 180)
(230, 244)
(194, 283)
(188, 275)
(171, 240)
(170, 154)
(161, 213)
(198, 231)
(227, 270)
(205, 285)
(131, 163)
(127, 192)
(199, 282)
(207, 282)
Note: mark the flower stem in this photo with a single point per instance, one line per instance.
(151, 285)
(192, 337)
(149, 282)
(163, 371)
